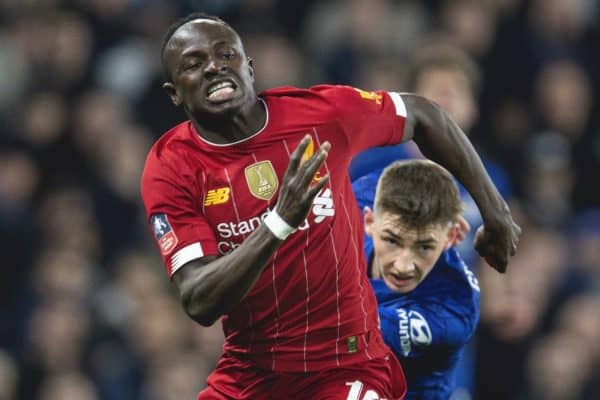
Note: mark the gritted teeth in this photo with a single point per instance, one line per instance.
(219, 85)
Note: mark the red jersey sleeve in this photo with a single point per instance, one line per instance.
(174, 214)
(368, 119)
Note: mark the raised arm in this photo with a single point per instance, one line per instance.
(210, 287)
(440, 139)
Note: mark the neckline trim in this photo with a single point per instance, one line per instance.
(238, 141)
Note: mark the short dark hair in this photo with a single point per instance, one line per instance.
(420, 192)
(443, 56)
(173, 28)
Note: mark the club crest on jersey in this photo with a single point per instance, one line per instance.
(262, 179)
(163, 233)
(374, 96)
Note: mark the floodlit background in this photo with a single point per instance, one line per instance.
(86, 310)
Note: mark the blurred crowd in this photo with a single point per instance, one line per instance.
(86, 310)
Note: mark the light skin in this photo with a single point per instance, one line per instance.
(203, 53)
(404, 256)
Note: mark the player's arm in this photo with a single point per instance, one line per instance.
(210, 287)
(440, 139)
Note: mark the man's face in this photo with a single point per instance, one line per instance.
(451, 90)
(404, 257)
(209, 70)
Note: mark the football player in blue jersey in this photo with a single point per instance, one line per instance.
(428, 298)
(451, 78)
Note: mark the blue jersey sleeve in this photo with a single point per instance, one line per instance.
(377, 158)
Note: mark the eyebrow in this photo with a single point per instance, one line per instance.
(196, 51)
(400, 238)
(192, 53)
(426, 241)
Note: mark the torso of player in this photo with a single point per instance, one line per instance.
(428, 321)
(312, 306)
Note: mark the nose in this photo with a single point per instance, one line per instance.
(404, 262)
(213, 67)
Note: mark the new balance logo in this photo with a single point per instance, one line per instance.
(217, 196)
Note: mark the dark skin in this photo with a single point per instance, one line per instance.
(203, 53)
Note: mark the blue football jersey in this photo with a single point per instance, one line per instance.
(427, 328)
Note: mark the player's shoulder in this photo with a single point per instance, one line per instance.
(166, 152)
(323, 93)
(367, 181)
(459, 279)
(315, 90)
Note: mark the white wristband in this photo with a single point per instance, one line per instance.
(278, 226)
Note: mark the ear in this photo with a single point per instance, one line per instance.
(452, 235)
(172, 92)
(369, 219)
(251, 67)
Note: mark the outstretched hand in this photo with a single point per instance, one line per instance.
(496, 242)
(297, 194)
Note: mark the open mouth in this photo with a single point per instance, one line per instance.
(221, 91)
(401, 280)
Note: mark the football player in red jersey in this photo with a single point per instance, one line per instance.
(254, 215)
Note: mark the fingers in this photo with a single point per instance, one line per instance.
(310, 168)
(490, 247)
(297, 155)
(498, 265)
(312, 192)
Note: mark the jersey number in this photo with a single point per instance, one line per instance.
(356, 389)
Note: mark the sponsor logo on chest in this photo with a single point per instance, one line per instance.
(232, 233)
(413, 329)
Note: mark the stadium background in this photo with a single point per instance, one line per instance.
(86, 311)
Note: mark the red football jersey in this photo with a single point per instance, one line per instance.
(313, 307)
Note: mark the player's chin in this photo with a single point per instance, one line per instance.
(225, 107)
(401, 285)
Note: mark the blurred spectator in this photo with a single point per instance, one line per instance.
(584, 235)
(68, 386)
(279, 62)
(470, 25)
(180, 376)
(8, 376)
(44, 118)
(548, 180)
(564, 98)
(558, 368)
(57, 333)
(66, 220)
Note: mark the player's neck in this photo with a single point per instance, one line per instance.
(232, 128)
